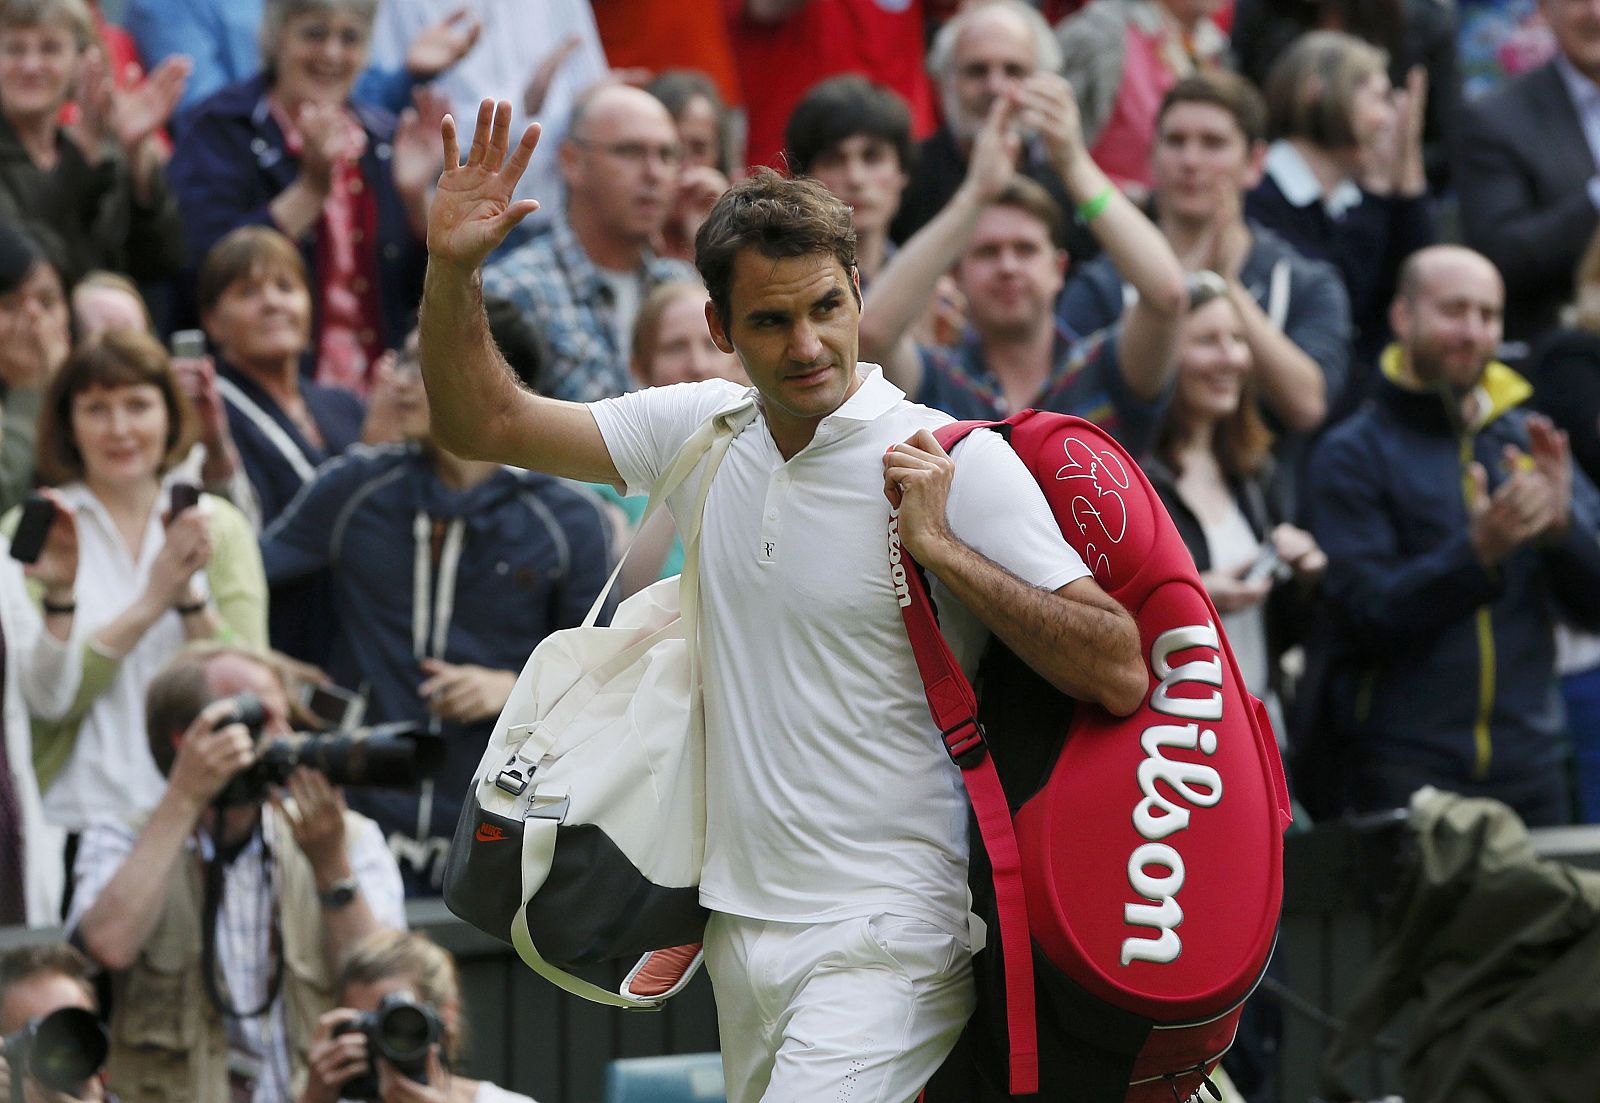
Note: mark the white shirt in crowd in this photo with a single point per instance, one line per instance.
(829, 795)
(517, 37)
(111, 774)
(41, 678)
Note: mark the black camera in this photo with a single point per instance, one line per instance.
(58, 1051)
(400, 1031)
(384, 756)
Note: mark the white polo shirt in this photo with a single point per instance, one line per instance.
(829, 795)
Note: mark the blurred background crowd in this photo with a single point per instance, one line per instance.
(1329, 267)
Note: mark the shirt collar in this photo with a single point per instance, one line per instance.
(875, 397)
(1300, 185)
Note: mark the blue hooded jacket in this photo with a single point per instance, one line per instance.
(420, 570)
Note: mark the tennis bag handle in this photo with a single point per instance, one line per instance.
(1095, 866)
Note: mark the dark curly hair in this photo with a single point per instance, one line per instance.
(777, 216)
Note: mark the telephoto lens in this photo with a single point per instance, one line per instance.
(59, 1051)
(400, 1031)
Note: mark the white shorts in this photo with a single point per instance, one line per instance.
(858, 1011)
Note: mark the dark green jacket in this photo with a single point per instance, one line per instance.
(86, 215)
(1501, 950)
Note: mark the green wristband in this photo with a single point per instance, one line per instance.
(1092, 209)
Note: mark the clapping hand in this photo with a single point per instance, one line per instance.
(329, 138)
(1392, 162)
(415, 160)
(1552, 459)
(993, 164)
(439, 46)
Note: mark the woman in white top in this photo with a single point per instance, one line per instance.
(381, 964)
(40, 675)
(1213, 469)
(114, 422)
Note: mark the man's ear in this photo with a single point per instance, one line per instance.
(719, 335)
(855, 284)
(1255, 165)
(1400, 318)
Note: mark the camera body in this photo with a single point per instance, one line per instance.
(400, 1031)
(394, 756)
(59, 1051)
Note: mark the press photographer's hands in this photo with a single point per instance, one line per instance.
(214, 749)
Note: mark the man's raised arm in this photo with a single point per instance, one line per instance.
(478, 409)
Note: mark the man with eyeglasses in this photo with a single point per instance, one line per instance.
(580, 285)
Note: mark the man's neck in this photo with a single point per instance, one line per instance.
(1020, 362)
(1186, 235)
(457, 473)
(1466, 407)
(230, 828)
(1591, 74)
(604, 246)
(871, 245)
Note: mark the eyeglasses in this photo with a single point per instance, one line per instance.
(635, 153)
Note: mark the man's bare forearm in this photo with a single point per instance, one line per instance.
(479, 409)
(470, 387)
(1292, 384)
(1077, 637)
(115, 927)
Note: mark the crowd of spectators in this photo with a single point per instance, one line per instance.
(1345, 313)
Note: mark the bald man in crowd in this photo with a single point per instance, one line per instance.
(580, 284)
(1455, 527)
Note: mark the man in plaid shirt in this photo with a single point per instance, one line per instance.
(580, 285)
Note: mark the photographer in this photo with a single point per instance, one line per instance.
(35, 981)
(222, 924)
(379, 968)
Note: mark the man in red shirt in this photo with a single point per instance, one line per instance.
(783, 47)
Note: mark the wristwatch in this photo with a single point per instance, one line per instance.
(340, 894)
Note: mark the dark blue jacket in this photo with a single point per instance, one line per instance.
(300, 613)
(1304, 298)
(231, 163)
(1434, 663)
(526, 553)
(1366, 245)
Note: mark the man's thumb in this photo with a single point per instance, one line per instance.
(1479, 483)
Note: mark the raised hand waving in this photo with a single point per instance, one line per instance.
(472, 208)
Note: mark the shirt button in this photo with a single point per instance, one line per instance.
(356, 186)
(357, 236)
(772, 515)
(366, 336)
(359, 285)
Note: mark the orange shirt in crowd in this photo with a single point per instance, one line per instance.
(668, 34)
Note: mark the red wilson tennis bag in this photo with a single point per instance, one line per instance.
(1136, 863)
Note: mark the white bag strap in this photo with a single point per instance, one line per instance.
(538, 851)
(717, 433)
